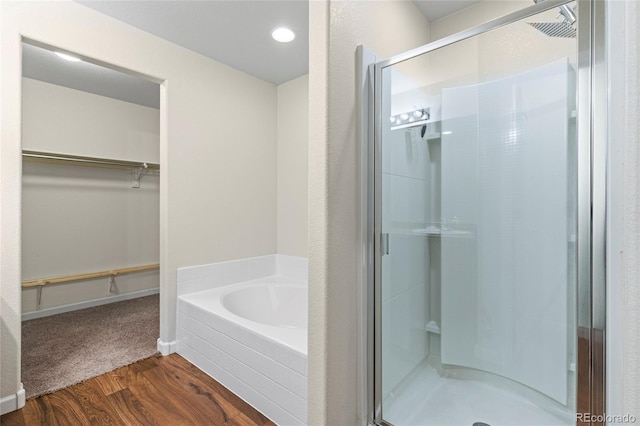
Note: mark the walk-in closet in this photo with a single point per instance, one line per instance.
(90, 219)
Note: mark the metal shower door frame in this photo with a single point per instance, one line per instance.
(591, 241)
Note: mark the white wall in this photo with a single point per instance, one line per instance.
(293, 151)
(623, 210)
(60, 119)
(79, 219)
(476, 14)
(336, 29)
(218, 181)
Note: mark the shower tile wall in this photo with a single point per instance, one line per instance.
(405, 292)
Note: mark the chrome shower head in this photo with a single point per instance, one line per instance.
(565, 29)
(568, 14)
(555, 29)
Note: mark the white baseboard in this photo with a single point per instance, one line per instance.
(166, 348)
(88, 304)
(13, 402)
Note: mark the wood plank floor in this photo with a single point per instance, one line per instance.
(156, 391)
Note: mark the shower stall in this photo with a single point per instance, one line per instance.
(487, 237)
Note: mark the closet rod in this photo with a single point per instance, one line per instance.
(89, 160)
(68, 278)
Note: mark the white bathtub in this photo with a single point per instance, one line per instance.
(251, 336)
(273, 307)
(270, 303)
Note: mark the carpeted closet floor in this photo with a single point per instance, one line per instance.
(64, 349)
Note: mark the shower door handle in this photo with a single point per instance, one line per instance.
(384, 243)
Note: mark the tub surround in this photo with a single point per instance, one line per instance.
(193, 279)
(264, 364)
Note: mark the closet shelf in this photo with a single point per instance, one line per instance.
(90, 161)
(78, 277)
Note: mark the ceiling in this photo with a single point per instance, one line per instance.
(44, 65)
(436, 9)
(234, 32)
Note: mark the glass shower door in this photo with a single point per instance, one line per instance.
(477, 273)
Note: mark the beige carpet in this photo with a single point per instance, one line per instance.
(65, 349)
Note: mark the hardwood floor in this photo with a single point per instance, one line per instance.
(156, 391)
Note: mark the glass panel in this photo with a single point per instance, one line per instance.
(479, 196)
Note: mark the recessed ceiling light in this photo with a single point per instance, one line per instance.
(68, 57)
(283, 35)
